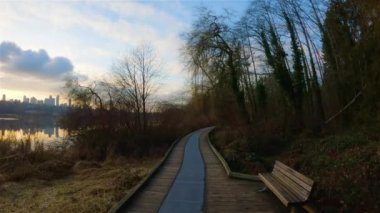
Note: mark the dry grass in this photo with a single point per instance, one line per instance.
(78, 176)
(21, 159)
(92, 187)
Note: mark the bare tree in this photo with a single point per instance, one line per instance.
(136, 74)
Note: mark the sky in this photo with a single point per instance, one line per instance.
(43, 42)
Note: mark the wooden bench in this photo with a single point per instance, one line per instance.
(290, 186)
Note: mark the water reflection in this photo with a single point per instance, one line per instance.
(46, 135)
(39, 129)
(8, 119)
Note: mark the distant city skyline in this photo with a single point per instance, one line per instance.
(50, 100)
(19, 95)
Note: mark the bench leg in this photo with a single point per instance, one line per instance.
(263, 189)
(296, 208)
(309, 208)
(293, 209)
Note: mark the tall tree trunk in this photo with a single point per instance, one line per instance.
(315, 83)
(250, 91)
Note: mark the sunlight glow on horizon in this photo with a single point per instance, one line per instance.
(91, 36)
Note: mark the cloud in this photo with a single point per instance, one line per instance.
(93, 34)
(15, 60)
(34, 85)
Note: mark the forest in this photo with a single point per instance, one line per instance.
(296, 81)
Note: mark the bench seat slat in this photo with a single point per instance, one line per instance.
(269, 184)
(286, 197)
(288, 185)
(301, 193)
(292, 178)
(294, 197)
(303, 180)
(296, 180)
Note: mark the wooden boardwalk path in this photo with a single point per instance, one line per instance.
(150, 198)
(222, 194)
(227, 195)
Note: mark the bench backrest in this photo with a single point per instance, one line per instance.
(297, 182)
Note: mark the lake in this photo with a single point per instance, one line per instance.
(44, 130)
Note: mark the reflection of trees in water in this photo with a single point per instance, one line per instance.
(32, 126)
(29, 122)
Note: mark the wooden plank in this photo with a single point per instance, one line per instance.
(300, 198)
(280, 196)
(283, 188)
(282, 193)
(223, 194)
(300, 176)
(150, 197)
(293, 178)
(226, 195)
(302, 193)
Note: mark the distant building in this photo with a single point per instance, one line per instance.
(4, 98)
(70, 102)
(33, 100)
(49, 101)
(25, 100)
(40, 102)
(57, 101)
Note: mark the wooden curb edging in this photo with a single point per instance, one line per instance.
(227, 168)
(132, 193)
